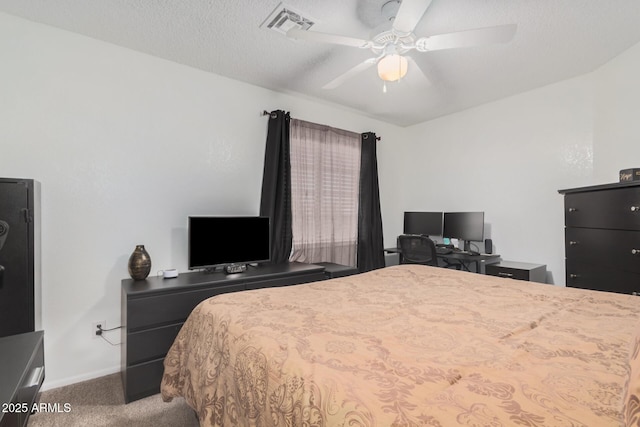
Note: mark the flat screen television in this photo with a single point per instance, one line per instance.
(467, 226)
(217, 241)
(425, 223)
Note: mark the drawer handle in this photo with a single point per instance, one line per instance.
(36, 377)
(572, 242)
(575, 209)
(503, 274)
(573, 276)
(635, 208)
(635, 251)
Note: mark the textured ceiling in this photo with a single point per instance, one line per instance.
(555, 40)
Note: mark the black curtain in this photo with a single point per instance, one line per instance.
(275, 200)
(370, 241)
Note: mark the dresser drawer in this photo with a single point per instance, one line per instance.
(616, 209)
(21, 375)
(587, 275)
(142, 380)
(169, 308)
(30, 387)
(611, 248)
(518, 271)
(150, 344)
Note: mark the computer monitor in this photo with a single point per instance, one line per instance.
(425, 223)
(467, 226)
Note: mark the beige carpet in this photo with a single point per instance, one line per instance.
(100, 402)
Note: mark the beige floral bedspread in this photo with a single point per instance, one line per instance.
(406, 346)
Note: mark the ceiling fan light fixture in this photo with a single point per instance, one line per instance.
(392, 67)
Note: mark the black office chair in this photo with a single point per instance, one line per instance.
(416, 249)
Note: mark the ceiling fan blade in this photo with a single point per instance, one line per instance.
(408, 16)
(296, 33)
(422, 78)
(349, 74)
(468, 38)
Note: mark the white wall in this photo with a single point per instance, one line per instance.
(617, 124)
(126, 146)
(509, 158)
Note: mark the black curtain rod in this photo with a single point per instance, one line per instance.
(266, 113)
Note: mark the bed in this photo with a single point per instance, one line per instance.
(410, 345)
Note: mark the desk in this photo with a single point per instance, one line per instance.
(462, 259)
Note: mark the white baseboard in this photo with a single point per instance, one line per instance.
(48, 385)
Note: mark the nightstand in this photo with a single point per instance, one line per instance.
(518, 270)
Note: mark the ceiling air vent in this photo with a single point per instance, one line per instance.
(283, 18)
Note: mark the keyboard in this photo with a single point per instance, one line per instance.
(441, 250)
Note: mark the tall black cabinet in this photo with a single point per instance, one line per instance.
(20, 299)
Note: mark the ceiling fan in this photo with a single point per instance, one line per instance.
(390, 45)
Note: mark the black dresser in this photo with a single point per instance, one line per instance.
(21, 376)
(602, 237)
(154, 309)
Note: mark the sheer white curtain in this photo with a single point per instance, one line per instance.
(325, 174)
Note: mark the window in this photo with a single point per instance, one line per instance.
(325, 174)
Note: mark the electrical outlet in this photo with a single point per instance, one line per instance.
(95, 332)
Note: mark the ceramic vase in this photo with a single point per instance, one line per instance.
(139, 263)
